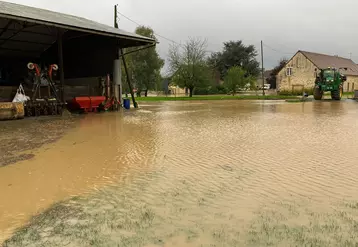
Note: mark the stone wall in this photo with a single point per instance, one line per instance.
(351, 84)
(303, 74)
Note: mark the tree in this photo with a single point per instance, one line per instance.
(235, 79)
(251, 81)
(272, 79)
(235, 53)
(158, 82)
(145, 65)
(188, 65)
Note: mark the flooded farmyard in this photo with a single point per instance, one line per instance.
(219, 173)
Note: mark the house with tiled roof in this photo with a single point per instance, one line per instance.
(300, 71)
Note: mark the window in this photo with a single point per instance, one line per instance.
(289, 71)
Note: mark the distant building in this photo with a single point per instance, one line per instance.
(300, 71)
(267, 74)
(178, 91)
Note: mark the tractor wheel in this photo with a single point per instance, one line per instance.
(318, 93)
(337, 94)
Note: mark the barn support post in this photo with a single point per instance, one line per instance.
(117, 78)
(60, 62)
(128, 79)
(120, 86)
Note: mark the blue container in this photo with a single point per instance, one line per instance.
(127, 104)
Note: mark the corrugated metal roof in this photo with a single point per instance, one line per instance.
(323, 61)
(70, 22)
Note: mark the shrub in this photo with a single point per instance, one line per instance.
(219, 89)
(201, 91)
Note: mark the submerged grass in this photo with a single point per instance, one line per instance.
(111, 218)
(336, 228)
(69, 224)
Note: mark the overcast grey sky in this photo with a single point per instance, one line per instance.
(285, 26)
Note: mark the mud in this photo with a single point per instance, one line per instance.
(19, 138)
(193, 174)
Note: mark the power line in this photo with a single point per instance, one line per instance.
(172, 41)
(279, 51)
(128, 18)
(288, 53)
(157, 34)
(287, 47)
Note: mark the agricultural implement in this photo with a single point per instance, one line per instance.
(95, 103)
(86, 104)
(44, 100)
(329, 80)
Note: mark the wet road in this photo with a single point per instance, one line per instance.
(192, 174)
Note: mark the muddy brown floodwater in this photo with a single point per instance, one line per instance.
(235, 173)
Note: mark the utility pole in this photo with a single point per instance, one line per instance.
(117, 72)
(115, 16)
(263, 72)
(121, 54)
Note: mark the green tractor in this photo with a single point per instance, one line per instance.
(329, 80)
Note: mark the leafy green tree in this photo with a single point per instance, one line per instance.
(251, 82)
(235, 53)
(188, 65)
(144, 66)
(235, 79)
(158, 82)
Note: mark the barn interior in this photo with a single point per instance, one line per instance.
(84, 50)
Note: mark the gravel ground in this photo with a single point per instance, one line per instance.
(18, 138)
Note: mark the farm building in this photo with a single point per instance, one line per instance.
(300, 71)
(84, 50)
